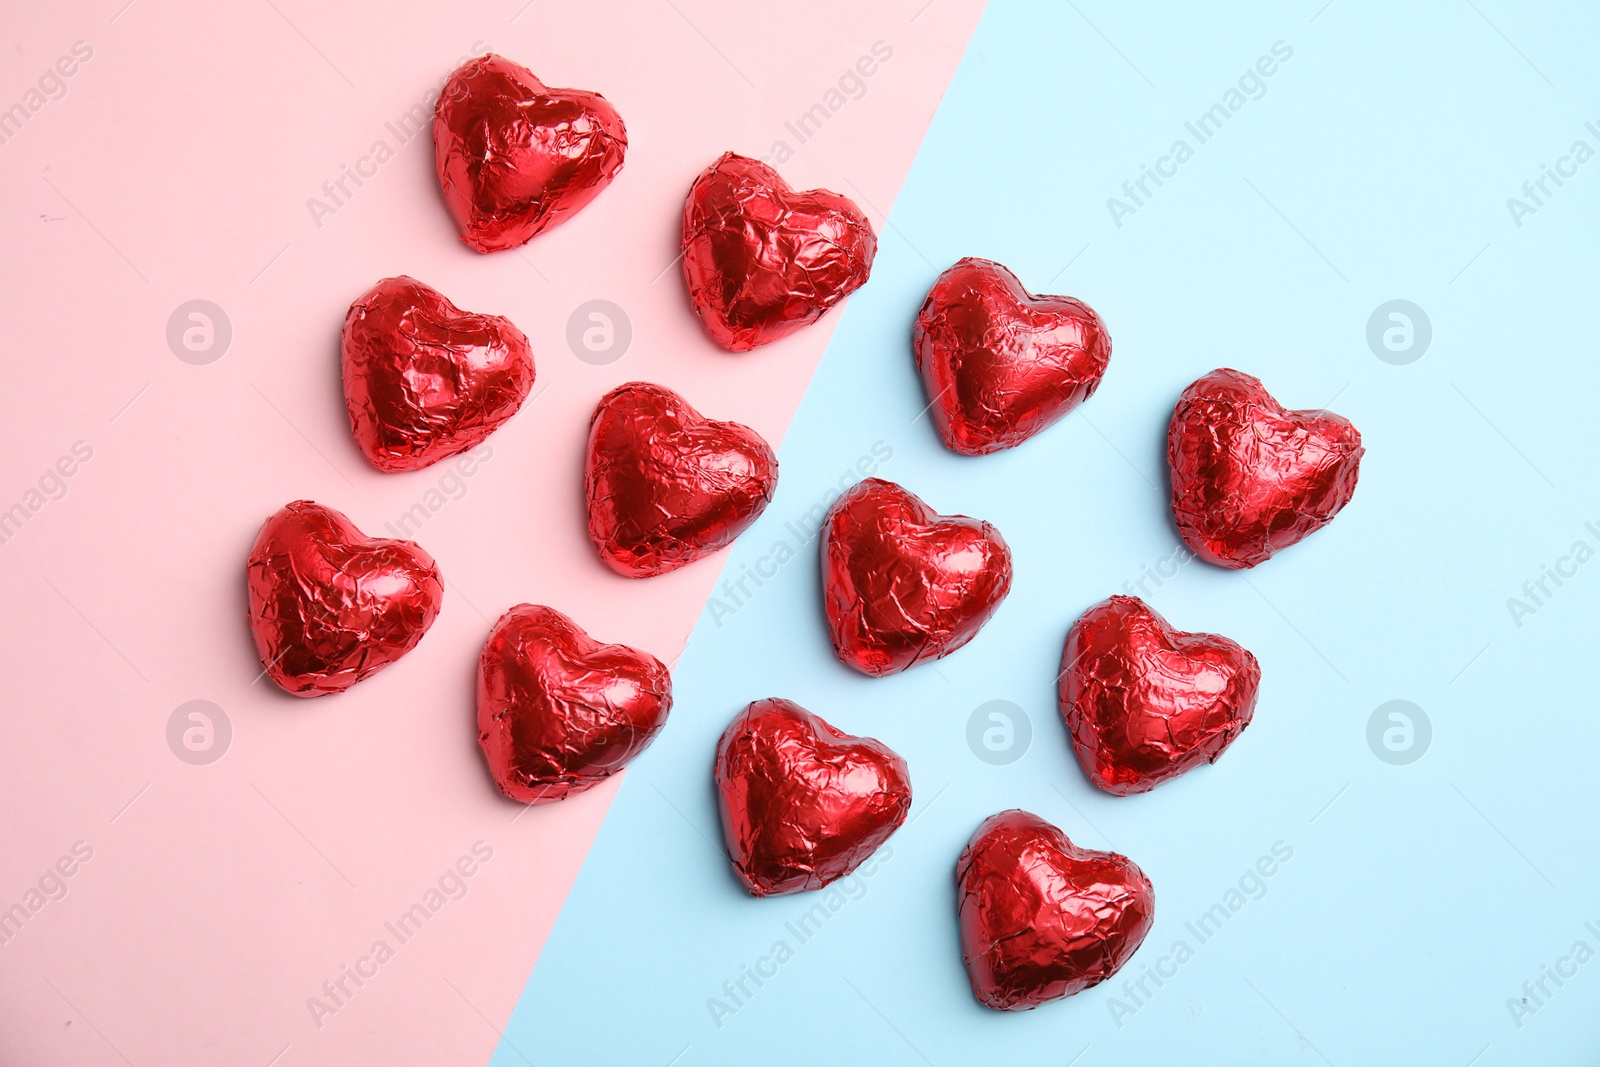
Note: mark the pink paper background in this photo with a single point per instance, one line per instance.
(178, 166)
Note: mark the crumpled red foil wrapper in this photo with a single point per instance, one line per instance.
(516, 157)
(903, 584)
(666, 486)
(1249, 478)
(1041, 918)
(330, 606)
(1143, 702)
(763, 260)
(423, 379)
(803, 804)
(559, 712)
(1000, 364)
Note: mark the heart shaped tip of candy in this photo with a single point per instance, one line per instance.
(329, 605)
(1250, 478)
(1042, 919)
(802, 803)
(762, 260)
(999, 364)
(903, 584)
(514, 156)
(1143, 703)
(559, 712)
(666, 486)
(424, 380)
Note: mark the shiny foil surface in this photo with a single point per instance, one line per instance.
(423, 379)
(803, 804)
(559, 712)
(763, 260)
(330, 606)
(1249, 478)
(666, 486)
(1000, 364)
(1042, 918)
(515, 157)
(1143, 702)
(902, 584)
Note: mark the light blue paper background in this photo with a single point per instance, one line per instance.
(1420, 897)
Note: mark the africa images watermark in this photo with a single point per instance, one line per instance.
(337, 992)
(1538, 590)
(1399, 332)
(1252, 85)
(739, 990)
(1537, 192)
(1165, 569)
(1399, 732)
(52, 485)
(999, 732)
(199, 332)
(1252, 885)
(51, 885)
(851, 85)
(1537, 993)
(452, 485)
(50, 86)
(412, 123)
(735, 592)
(199, 732)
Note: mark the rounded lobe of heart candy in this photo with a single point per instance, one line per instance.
(1041, 918)
(903, 584)
(330, 606)
(762, 260)
(1000, 364)
(424, 380)
(515, 157)
(666, 486)
(1143, 702)
(803, 804)
(1249, 478)
(559, 712)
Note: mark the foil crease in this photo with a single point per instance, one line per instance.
(803, 804)
(903, 584)
(1041, 918)
(515, 157)
(330, 606)
(1143, 703)
(1249, 478)
(1000, 364)
(559, 712)
(424, 380)
(762, 260)
(666, 486)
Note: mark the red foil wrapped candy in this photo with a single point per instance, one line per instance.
(666, 486)
(1144, 702)
(763, 260)
(514, 156)
(1042, 918)
(902, 584)
(423, 379)
(1249, 478)
(1000, 364)
(559, 712)
(329, 605)
(802, 803)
